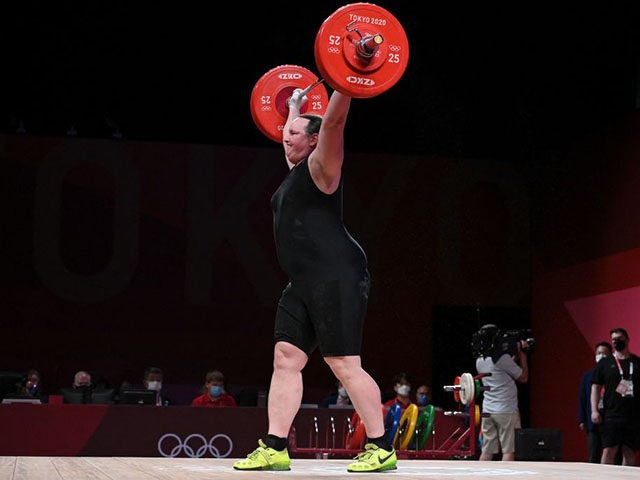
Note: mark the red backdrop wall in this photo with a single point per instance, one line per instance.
(127, 254)
(586, 268)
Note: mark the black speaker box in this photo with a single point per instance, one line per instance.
(538, 444)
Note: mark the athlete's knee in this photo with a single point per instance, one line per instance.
(289, 357)
(343, 367)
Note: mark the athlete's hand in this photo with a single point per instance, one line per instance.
(297, 99)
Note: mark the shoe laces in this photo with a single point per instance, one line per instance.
(258, 451)
(368, 452)
(255, 454)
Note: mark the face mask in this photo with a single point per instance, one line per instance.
(215, 391)
(154, 385)
(619, 345)
(403, 390)
(423, 399)
(599, 357)
(343, 392)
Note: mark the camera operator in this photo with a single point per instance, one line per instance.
(503, 368)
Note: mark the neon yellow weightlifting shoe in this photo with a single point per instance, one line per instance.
(374, 459)
(265, 458)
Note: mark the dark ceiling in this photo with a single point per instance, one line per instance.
(482, 80)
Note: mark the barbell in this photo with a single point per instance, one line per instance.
(361, 50)
(466, 388)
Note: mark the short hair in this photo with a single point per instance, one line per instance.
(214, 375)
(604, 344)
(401, 376)
(314, 123)
(619, 330)
(155, 370)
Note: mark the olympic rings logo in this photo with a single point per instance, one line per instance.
(175, 445)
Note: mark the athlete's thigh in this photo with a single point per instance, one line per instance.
(292, 322)
(337, 309)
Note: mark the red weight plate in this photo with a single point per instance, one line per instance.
(269, 98)
(359, 437)
(351, 432)
(361, 50)
(456, 393)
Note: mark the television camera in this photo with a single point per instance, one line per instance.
(492, 342)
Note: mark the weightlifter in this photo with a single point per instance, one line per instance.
(324, 304)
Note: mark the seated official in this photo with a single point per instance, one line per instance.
(402, 389)
(213, 392)
(82, 379)
(152, 380)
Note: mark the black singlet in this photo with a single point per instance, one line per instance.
(325, 301)
(311, 238)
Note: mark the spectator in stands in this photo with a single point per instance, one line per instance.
(152, 380)
(402, 389)
(213, 392)
(339, 397)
